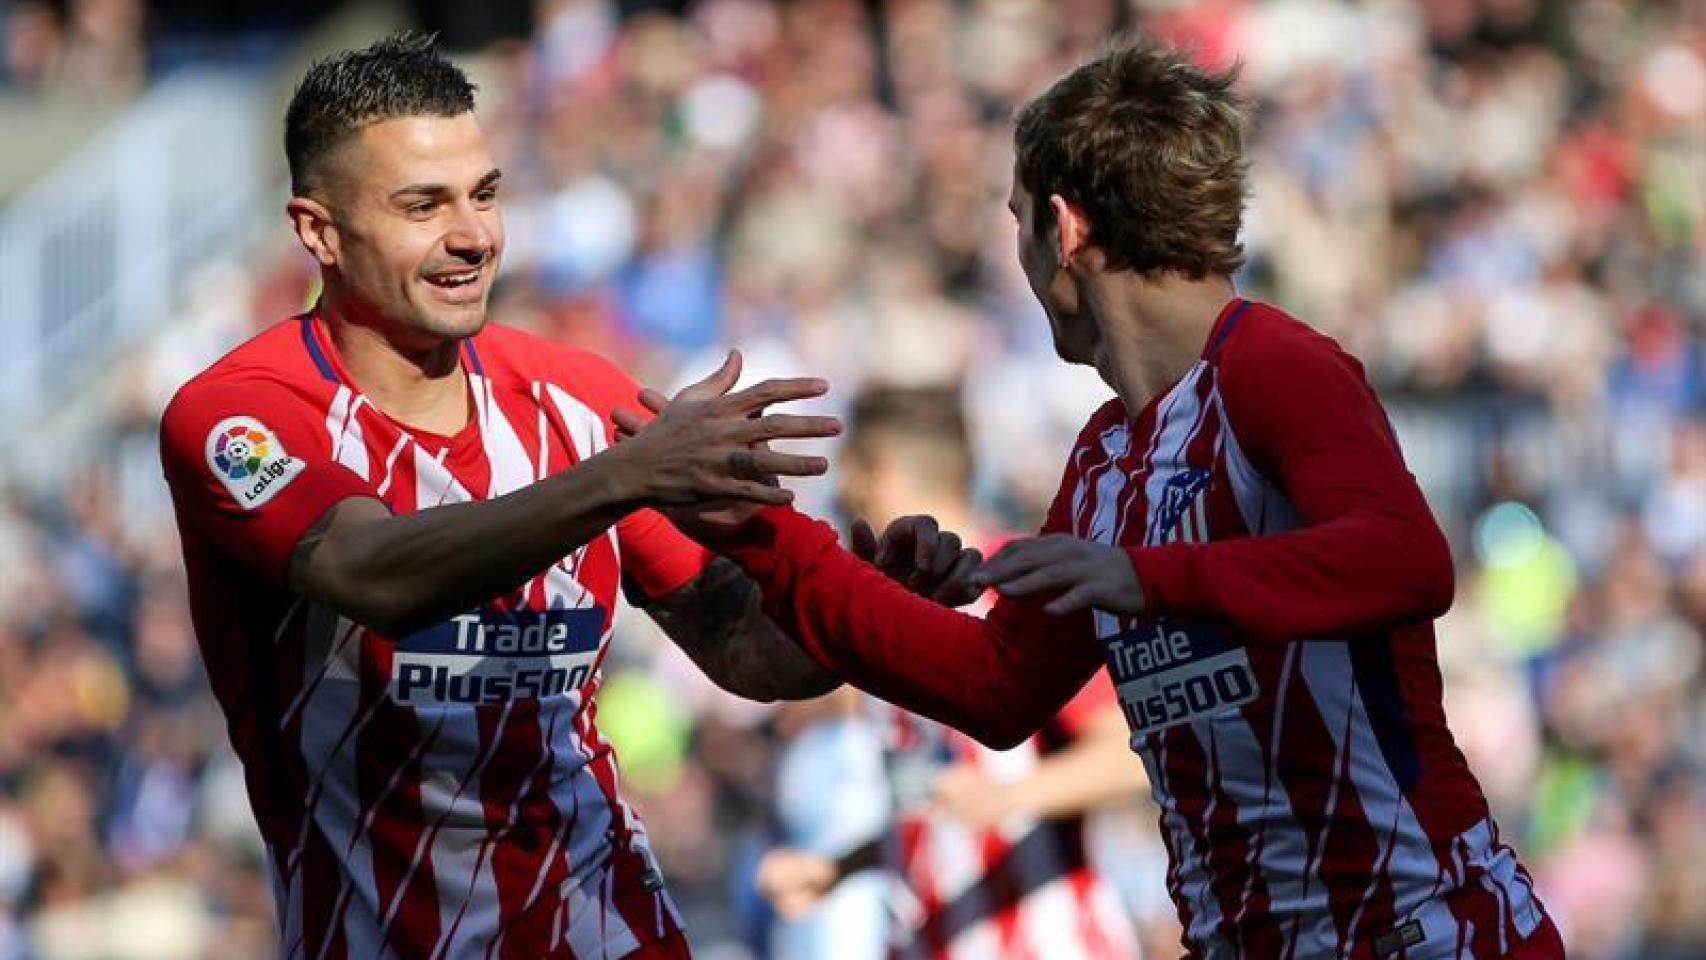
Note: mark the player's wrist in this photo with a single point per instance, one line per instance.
(613, 479)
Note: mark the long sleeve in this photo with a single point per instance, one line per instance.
(1366, 551)
(997, 679)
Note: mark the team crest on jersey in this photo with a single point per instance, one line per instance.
(1183, 514)
(249, 460)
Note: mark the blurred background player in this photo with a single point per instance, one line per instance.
(985, 850)
(404, 531)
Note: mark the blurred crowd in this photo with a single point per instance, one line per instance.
(84, 48)
(1499, 205)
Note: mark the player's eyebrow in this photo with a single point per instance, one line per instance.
(438, 189)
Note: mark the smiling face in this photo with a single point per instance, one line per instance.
(1076, 338)
(407, 224)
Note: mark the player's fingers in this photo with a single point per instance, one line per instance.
(1076, 598)
(757, 464)
(784, 426)
(942, 559)
(753, 491)
(956, 589)
(896, 541)
(627, 422)
(1039, 580)
(779, 390)
(1018, 557)
(1004, 566)
(717, 382)
(864, 540)
(654, 400)
(925, 536)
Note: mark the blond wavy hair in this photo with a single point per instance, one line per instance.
(1150, 147)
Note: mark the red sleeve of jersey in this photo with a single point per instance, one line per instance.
(1367, 552)
(244, 477)
(998, 678)
(657, 558)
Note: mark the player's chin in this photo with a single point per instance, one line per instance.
(1071, 351)
(453, 321)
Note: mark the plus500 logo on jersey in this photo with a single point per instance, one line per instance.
(495, 656)
(1169, 672)
(249, 461)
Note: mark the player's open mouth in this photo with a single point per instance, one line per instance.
(459, 287)
(451, 281)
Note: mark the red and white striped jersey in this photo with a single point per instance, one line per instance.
(444, 794)
(1282, 689)
(1024, 889)
(1312, 799)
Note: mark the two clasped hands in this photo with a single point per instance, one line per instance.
(707, 464)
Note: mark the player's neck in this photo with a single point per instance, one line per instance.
(1153, 331)
(421, 384)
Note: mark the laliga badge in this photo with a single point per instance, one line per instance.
(249, 461)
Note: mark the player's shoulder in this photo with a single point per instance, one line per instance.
(276, 368)
(509, 355)
(1257, 339)
(1253, 329)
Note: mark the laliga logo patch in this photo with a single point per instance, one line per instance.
(249, 460)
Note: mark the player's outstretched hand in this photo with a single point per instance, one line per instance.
(917, 553)
(1084, 573)
(794, 880)
(708, 445)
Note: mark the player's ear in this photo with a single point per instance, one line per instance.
(1072, 230)
(313, 224)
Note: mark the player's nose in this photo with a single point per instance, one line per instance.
(471, 238)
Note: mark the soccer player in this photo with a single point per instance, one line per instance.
(1235, 538)
(404, 531)
(987, 847)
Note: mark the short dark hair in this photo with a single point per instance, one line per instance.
(403, 75)
(1150, 147)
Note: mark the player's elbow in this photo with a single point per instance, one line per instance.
(386, 609)
(1001, 729)
(386, 604)
(1422, 572)
(1003, 737)
(770, 687)
(1436, 576)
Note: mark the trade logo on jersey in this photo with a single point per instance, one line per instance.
(495, 656)
(249, 460)
(1183, 514)
(1168, 672)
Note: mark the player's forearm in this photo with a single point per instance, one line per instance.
(1094, 771)
(997, 679)
(1369, 566)
(718, 620)
(397, 573)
